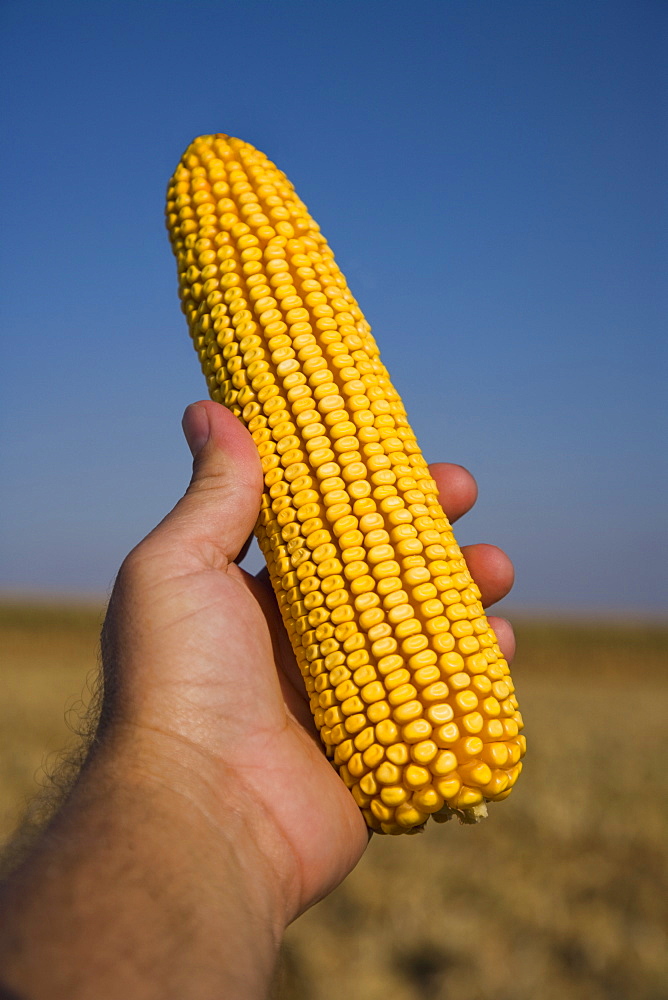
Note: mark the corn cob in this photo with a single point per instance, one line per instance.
(408, 687)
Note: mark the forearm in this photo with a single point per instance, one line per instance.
(133, 891)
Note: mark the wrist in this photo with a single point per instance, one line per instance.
(214, 814)
(143, 873)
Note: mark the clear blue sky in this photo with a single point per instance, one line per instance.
(491, 176)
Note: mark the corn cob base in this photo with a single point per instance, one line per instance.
(408, 687)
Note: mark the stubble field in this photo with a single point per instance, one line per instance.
(562, 892)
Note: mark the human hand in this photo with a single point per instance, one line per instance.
(206, 816)
(202, 684)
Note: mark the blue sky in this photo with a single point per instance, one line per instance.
(491, 177)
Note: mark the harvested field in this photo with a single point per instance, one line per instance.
(562, 892)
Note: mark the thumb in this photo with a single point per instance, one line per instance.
(221, 504)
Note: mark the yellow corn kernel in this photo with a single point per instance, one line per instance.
(424, 752)
(408, 817)
(417, 777)
(398, 753)
(393, 795)
(413, 700)
(448, 786)
(387, 774)
(428, 799)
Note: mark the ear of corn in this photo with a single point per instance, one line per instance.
(408, 687)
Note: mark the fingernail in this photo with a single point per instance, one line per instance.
(195, 425)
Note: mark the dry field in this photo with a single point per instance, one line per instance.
(562, 892)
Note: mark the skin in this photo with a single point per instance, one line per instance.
(206, 816)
